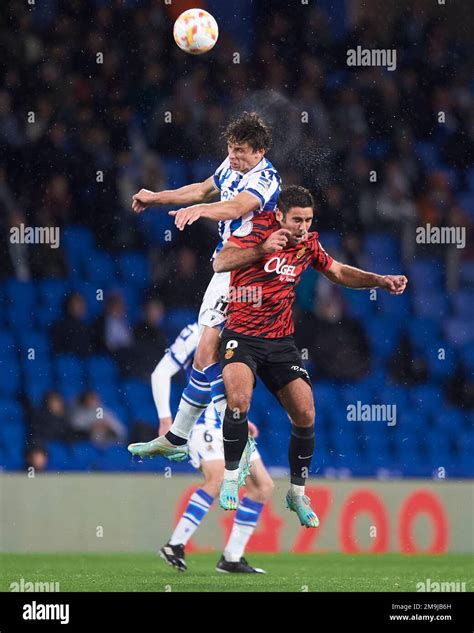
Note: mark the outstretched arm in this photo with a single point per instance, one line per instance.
(189, 194)
(243, 203)
(355, 278)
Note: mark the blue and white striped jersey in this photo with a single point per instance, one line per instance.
(181, 353)
(263, 181)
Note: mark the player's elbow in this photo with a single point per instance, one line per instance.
(219, 265)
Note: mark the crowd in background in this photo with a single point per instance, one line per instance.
(99, 79)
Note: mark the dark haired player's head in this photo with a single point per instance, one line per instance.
(248, 138)
(295, 211)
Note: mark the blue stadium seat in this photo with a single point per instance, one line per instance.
(331, 242)
(34, 347)
(176, 319)
(78, 241)
(70, 376)
(8, 346)
(99, 267)
(426, 274)
(133, 297)
(85, 456)
(12, 445)
(134, 269)
(117, 458)
(467, 356)
(359, 304)
(10, 381)
(139, 399)
(427, 398)
(467, 274)
(433, 304)
(423, 332)
(463, 304)
(59, 456)
(441, 368)
(36, 389)
(10, 410)
(52, 295)
(201, 169)
(176, 170)
(396, 306)
(450, 420)
(101, 369)
(384, 334)
(458, 331)
(382, 247)
(466, 202)
(396, 395)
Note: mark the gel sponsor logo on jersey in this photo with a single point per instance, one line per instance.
(279, 266)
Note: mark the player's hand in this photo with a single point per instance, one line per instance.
(395, 284)
(143, 199)
(182, 217)
(276, 241)
(165, 425)
(253, 430)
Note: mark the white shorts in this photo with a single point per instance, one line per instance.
(207, 445)
(213, 310)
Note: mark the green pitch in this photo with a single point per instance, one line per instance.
(286, 572)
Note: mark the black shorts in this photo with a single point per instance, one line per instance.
(277, 362)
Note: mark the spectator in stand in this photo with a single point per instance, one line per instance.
(72, 335)
(36, 457)
(91, 421)
(184, 286)
(50, 423)
(114, 334)
(150, 341)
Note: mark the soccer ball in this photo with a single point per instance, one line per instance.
(195, 31)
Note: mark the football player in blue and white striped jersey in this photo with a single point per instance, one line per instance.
(248, 184)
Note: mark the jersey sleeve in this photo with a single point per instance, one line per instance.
(253, 232)
(182, 350)
(321, 260)
(220, 171)
(263, 185)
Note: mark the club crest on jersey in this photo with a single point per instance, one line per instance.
(229, 353)
(300, 253)
(279, 266)
(244, 230)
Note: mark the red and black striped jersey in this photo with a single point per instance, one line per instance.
(261, 295)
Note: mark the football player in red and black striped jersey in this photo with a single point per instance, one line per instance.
(267, 257)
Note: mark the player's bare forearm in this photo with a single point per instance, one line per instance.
(361, 279)
(227, 210)
(189, 194)
(233, 257)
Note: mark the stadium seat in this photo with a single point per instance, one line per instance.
(450, 420)
(384, 335)
(117, 458)
(441, 360)
(359, 304)
(8, 346)
(467, 274)
(85, 456)
(99, 268)
(59, 456)
(382, 247)
(78, 241)
(433, 305)
(134, 269)
(427, 398)
(395, 306)
(52, 295)
(463, 304)
(176, 319)
(12, 445)
(10, 410)
(101, 369)
(34, 347)
(10, 379)
(70, 376)
(201, 169)
(426, 274)
(422, 333)
(467, 356)
(139, 400)
(458, 331)
(176, 170)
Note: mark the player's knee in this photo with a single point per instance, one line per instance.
(238, 403)
(305, 417)
(213, 484)
(265, 490)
